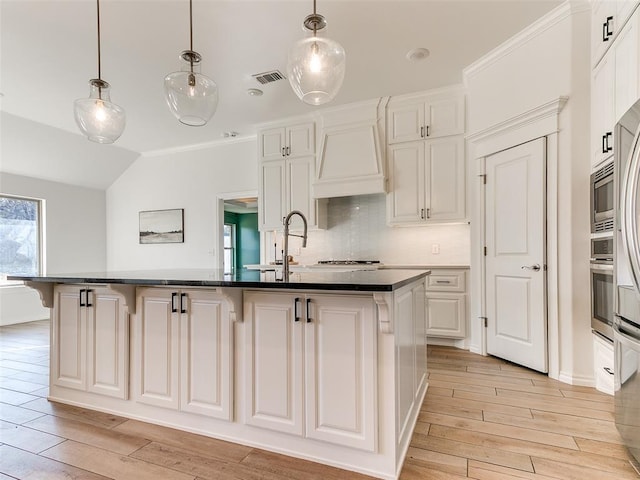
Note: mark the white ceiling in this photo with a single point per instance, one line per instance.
(49, 52)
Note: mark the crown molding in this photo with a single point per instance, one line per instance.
(538, 27)
(535, 123)
(198, 146)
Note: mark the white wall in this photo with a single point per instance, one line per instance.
(549, 60)
(75, 238)
(190, 180)
(357, 230)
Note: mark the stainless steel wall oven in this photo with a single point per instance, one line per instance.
(602, 195)
(602, 298)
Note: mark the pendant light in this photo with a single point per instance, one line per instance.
(191, 96)
(98, 118)
(316, 64)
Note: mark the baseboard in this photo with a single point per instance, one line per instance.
(578, 380)
(448, 342)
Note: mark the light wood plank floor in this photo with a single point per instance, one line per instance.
(483, 418)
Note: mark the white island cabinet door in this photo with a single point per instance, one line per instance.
(108, 343)
(205, 354)
(273, 345)
(157, 343)
(68, 365)
(341, 369)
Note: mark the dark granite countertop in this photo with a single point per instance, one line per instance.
(364, 281)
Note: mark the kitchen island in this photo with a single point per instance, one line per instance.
(330, 367)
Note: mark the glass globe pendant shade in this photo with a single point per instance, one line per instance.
(191, 96)
(98, 118)
(316, 68)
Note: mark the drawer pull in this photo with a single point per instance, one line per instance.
(443, 281)
(608, 370)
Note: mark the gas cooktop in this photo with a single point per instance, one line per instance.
(348, 262)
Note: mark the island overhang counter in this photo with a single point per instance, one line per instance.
(329, 367)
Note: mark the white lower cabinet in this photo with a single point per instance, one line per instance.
(91, 340)
(411, 355)
(184, 351)
(603, 362)
(311, 366)
(446, 296)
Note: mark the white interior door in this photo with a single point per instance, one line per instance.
(515, 255)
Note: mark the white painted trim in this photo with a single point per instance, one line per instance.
(535, 123)
(553, 315)
(580, 380)
(198, 146)
(448, 342)
(542, 121)
(218, 222)
(537, 28)
(411, 97)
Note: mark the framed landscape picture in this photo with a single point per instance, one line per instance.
(162, 226)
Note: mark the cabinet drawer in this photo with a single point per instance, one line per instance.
(446, 281)
(603, 365)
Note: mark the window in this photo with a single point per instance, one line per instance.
(229, 236)
(20, 237)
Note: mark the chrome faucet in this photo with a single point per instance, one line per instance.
(285, 254)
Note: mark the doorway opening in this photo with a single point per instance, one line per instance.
(239, 238)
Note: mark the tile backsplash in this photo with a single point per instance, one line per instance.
(357, 230)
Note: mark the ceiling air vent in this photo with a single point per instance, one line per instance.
(268, 77)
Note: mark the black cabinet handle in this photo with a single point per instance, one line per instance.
(421, 132)
(428, 213)
(608, 370)
(604, 143)
(605, 37)
(609, 147)
(609, 32)
(283, 151)
(87, 292)
(82, 304)
(173, 302)
(296, 315)
(422, 213)
(427, 130)
(183, 297)
(288, 151)
(308, 311)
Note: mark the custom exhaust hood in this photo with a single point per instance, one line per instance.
(350, 159)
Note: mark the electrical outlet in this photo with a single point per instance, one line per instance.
(435, 248)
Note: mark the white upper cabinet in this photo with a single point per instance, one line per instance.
(287, 170)
(424, 117)
(607, 20)
(427, 182)
(292, 141)
(615, 85)
(602, 111)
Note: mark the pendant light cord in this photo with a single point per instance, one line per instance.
(191, 32)
(314, 13)
(99, 66)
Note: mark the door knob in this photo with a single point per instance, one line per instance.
(535, 267)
